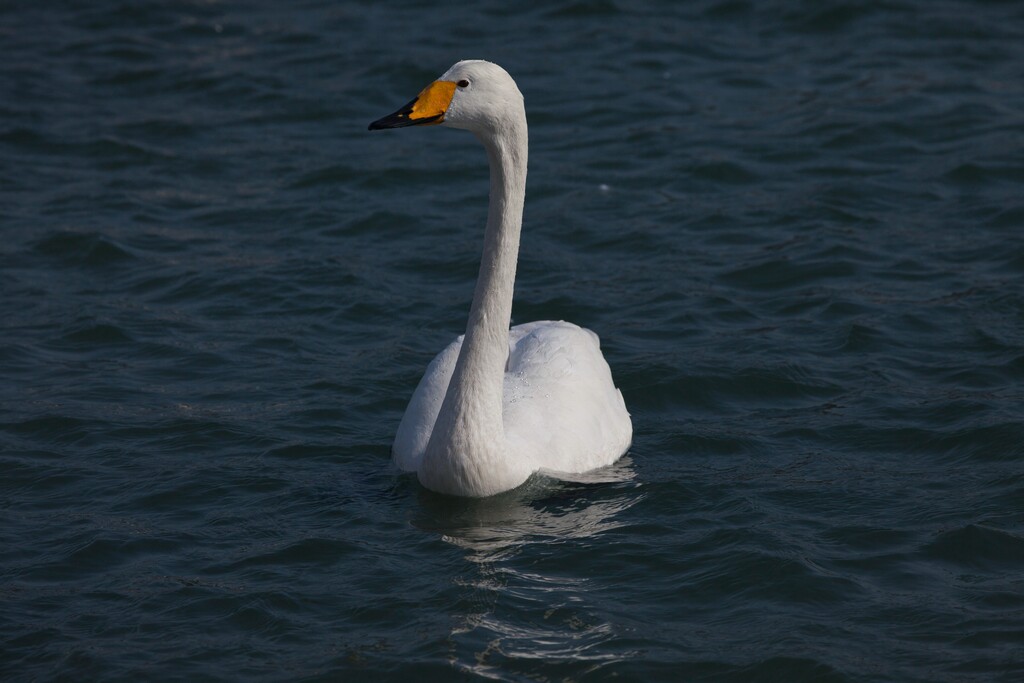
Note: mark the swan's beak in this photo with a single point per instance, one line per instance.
(427, 109)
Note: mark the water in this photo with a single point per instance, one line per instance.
(797, 228)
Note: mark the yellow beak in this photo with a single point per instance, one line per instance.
(427, 109)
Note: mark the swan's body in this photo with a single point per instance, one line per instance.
(499, 404)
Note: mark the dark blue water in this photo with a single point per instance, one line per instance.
(798, 228)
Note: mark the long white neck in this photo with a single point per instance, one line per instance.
(466, 454)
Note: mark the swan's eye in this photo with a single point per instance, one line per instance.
(463, 83)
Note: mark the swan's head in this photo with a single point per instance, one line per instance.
(473, 94)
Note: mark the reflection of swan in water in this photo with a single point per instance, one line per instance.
(544, 510)
(528, 595)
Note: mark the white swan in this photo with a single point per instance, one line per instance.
(499, 404)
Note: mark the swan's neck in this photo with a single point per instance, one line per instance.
(466, 454)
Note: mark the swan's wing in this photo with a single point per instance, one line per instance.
(421, 414)
(561, 407)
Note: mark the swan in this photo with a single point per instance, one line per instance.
(499, 404)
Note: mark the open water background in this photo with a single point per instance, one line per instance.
(797, 227)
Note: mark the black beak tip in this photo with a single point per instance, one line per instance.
(396, 120)
(399, 119)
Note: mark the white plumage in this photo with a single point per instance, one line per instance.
(499, 404)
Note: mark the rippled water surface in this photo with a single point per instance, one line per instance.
(797, 227)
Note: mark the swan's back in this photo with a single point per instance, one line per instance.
(561, 406)
(561, 411)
